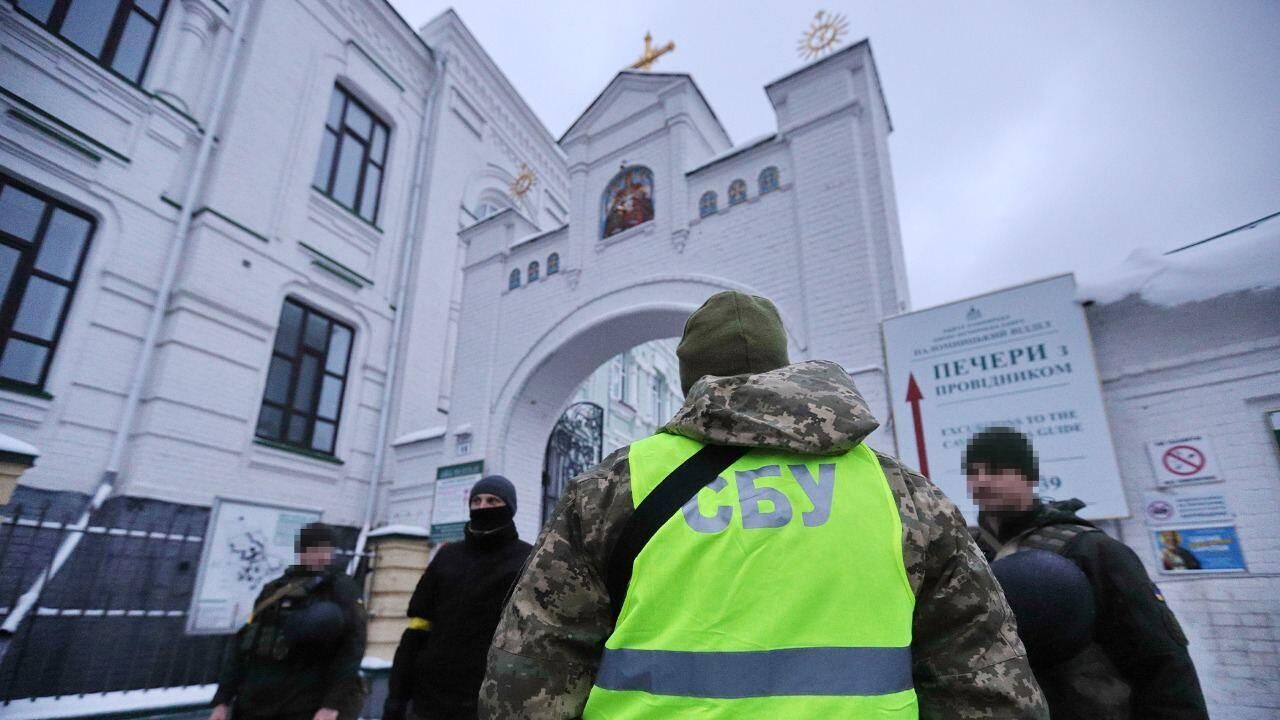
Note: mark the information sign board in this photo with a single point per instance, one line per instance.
(450, 509)
(1019, 357)
(246, 546)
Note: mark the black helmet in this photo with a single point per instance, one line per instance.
(320, 623)
(1053, 602)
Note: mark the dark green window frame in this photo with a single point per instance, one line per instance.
(345, 132)
(309, 363)
(37, 268)
(132, 28)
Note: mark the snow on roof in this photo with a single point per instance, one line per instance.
(1247, 258)
(14, 445)
(741, 147)
(410, 530)
(538, 236)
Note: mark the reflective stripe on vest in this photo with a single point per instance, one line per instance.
(778, 592)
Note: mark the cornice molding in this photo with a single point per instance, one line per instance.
(508, 130)
(410, 57)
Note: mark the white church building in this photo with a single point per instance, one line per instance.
(295, 255)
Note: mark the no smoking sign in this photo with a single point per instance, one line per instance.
(1183, 461)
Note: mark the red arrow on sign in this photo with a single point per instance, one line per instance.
(914, 396)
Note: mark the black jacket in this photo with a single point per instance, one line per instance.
(1134, 628)
(461, 595)
(266, 674)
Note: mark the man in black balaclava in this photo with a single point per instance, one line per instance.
(454, 611)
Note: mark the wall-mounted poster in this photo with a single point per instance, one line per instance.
(1197, 550)
(450, 508)
(1019, 357)
(246, 546)
(1181, 508)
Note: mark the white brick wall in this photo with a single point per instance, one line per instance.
(193, 439)
(1207, 368)
(821, 247)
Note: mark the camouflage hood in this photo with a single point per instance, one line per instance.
(810, 408)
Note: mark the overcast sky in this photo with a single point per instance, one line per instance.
(1029, 138)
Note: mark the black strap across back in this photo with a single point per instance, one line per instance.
(658, 506)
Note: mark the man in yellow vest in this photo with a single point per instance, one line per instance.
(754, 559)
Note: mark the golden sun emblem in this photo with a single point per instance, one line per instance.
(523, 182)
(824, 33)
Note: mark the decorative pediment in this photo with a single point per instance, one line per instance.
(628, 95)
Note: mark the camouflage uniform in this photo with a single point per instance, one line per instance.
(967, 659)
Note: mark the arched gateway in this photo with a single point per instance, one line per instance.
(808, 220)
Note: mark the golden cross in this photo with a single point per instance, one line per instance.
(651, 53)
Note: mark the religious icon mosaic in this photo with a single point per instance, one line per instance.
(768, 179)
(627, 201)
(707, 205)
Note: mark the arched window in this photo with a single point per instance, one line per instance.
(768, 179)
(513, 281)
(533, 271)
(485, 209)
(737, 191)
(553, 264)
(627, 200)
(707, 205)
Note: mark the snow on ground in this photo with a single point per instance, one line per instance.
(373, 663)
(75, 706)
(1245, 259)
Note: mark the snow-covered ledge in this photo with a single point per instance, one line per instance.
(15, 457)
(400, 531)
(110, 703)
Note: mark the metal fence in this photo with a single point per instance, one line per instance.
(114, 617)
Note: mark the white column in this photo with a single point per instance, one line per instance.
(189, 62)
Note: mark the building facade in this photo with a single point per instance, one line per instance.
(1186, 352)
(665, 211)
(639, 391)
(296, 254)
(224, 229)
(303, 213)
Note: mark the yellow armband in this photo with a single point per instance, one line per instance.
(418, 623)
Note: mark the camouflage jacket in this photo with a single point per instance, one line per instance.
(967, 659)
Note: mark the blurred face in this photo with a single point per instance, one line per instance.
(486, 500)
(999, 488)
(317, 557)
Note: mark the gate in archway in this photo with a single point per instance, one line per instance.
(574, 446)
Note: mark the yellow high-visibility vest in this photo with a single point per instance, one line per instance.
(778, 592)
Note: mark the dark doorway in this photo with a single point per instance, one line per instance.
(574, 446)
